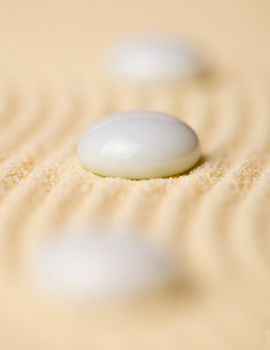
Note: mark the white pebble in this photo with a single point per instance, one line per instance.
(139, 145)
(101, 267)
(154, 60)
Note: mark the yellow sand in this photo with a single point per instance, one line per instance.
(216, 216)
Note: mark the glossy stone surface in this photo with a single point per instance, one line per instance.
(154, 60)
(101, 267)
(139, 145)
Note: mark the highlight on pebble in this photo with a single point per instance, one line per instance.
(134, 175)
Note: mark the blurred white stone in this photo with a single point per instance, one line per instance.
(154, 60)
(100, 267)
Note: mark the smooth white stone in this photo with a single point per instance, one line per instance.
(154, 60)
(139, 145)
(101, 267)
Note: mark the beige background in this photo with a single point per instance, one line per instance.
(69, 36)
(216, 216)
